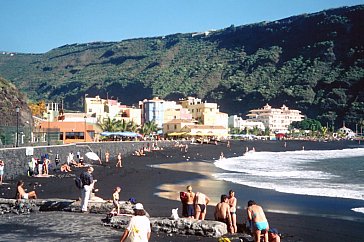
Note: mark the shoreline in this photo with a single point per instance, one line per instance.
(142, 179)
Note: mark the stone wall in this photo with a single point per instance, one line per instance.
(16, 160)
(183, 226)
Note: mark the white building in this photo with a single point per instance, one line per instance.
(238, 122)
(277, 119)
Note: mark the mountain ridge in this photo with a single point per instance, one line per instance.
(312, 62)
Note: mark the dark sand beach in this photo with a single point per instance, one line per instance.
(160, 175)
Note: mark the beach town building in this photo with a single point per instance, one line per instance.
(276, 119)
(204, 112)
(59, 127)
(241, 124)
(157, 109)
(109, 108)
(174, 127)
(200, 130)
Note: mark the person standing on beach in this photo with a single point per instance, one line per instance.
(232, 203)
(57, 160)
(138, 229)
(87, 186)
(190, 198)
(201, 201)
(115, 199)
(120, 159)
(222, 212)
(2, 164)
(40, 165)
(259, 221)
(107, 156)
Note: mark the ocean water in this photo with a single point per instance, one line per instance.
(327, 173)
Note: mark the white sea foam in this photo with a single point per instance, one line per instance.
(359, 210)
(296, 172)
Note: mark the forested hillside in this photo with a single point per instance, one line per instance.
(312, 62)
(10, 98)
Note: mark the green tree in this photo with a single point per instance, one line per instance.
(149, 128)
(108, 124)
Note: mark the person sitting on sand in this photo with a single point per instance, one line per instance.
(201, 201)
(260, 222)
(115, 200)
(21, 194)
(222, 212)
(65, 168)
(139, 226)
(273, 235)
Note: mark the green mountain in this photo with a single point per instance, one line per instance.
(312, 62)
(10, 99)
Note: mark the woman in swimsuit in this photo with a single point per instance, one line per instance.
(260, 222)
(201, 200)
(232, 203)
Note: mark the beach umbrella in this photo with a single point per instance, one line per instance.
(106, 133)
(92, 156)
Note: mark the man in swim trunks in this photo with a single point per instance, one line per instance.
(190, 202)
(222, 212)
(201, 200)
(260, 222)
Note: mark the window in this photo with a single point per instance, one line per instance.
(75, 135)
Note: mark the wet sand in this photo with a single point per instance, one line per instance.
(156, 179)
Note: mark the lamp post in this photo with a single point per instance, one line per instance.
(48, 137)
(17, 110)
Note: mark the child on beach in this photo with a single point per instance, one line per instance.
(115, 199)
(232, 204)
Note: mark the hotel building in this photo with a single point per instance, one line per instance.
(277, 119)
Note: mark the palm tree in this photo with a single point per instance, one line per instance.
(149, 127)
(123, 125)
(133, 127)
(109, 124)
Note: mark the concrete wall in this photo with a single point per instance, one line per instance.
(16, 160)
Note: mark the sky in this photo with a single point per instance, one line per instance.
(37, 26)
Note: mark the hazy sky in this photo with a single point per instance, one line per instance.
(37, 26)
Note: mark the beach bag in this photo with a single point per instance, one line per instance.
(78, 182)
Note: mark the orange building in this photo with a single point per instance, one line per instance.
(67, 132)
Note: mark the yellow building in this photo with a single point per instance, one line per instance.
(205, 113)
(174, 127)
